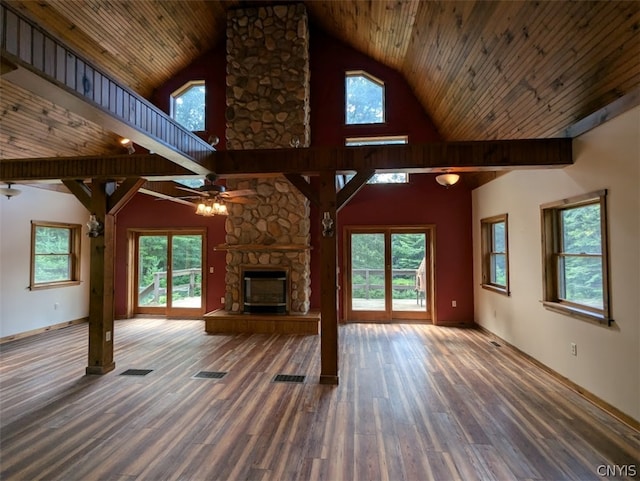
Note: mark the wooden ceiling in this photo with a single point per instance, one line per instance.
(482, 70)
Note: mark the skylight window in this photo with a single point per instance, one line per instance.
(383, 177)
(364, 99)
(187, 105)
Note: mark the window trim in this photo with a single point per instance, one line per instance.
(551, 230)
(75, 231)
(373, 79)
(486, 233)
(181, 90)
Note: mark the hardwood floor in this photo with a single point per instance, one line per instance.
(415, 402)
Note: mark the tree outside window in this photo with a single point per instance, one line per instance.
(55, 256)
(576, 256)
(188, 106)
(364, 99)
(495, 259)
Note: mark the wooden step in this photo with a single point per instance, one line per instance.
(225, 322)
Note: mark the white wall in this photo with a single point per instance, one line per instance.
(21, 309)
(608, 359)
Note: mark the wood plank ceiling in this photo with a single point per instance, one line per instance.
(482, 70)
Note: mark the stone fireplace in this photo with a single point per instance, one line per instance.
(268, 108)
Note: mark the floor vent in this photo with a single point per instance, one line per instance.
(288, 378)
(136, 372)
(494, 343)
(210, 375)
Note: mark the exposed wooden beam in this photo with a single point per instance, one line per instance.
(112, 167)
(352, 187)
(123, 194)
(599, 117)
(73, 83)
(328, 282)
(304, 187)
(459, 156)
(80, 190)
(437, 156)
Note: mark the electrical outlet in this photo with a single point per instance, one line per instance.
(210, 270)
(574, 349)
(222, 300)
(108, 336)
(454, 304)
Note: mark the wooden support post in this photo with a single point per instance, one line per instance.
(328, 281)
(101, 309)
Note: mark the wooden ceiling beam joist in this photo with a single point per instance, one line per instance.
(432, 157)
(49, 69)
(352, 187)
(114, 167)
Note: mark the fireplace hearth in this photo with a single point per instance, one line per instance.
(265, 291)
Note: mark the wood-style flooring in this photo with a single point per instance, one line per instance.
(415, 402)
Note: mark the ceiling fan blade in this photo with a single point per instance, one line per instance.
(187, 189)
(239, 200)
(237, 193)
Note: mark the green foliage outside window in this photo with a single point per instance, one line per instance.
(53, 251)
(580, 256)
(364, 100)
(188, 107)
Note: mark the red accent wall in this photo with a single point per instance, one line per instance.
(144, 212)
(210, 67)
(329, 62)
(422, 201)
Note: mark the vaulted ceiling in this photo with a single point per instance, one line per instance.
(482, 70)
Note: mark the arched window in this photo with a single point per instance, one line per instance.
(364, 99)
(187, 105)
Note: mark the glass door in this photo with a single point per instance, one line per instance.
(389, 274)
(168, 273)
(367, 273)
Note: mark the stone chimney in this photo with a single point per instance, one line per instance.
(268, 108)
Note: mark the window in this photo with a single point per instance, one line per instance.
(386, 177)
(495, 253)
(55, 254)
(575, 257)
(187, 105)
(364, 99)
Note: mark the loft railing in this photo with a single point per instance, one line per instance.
(39, 52)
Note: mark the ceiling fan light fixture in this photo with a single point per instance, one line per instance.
(447, 179)
(9, 191)
(209, 208)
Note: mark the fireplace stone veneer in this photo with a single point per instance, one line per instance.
(268, 108)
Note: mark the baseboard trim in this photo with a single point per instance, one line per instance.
(589, 396)
(40, 330)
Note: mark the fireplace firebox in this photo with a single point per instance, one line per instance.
(265, 291)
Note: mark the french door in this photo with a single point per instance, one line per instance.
(389, 273)
(168, 276)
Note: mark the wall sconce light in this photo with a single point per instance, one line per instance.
(96, 228)
(213, 140)
(294, 142)
(447, 179)
(327, 225)
(9, 191)
(128, 144)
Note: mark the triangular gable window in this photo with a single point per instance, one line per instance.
(187, 105)
(364, 99)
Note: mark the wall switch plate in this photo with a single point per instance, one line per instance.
(108, 336)
(222, 300)
(210, 270)
(574, 349)
(454, 304)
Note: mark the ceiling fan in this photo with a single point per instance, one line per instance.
(212, 191)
